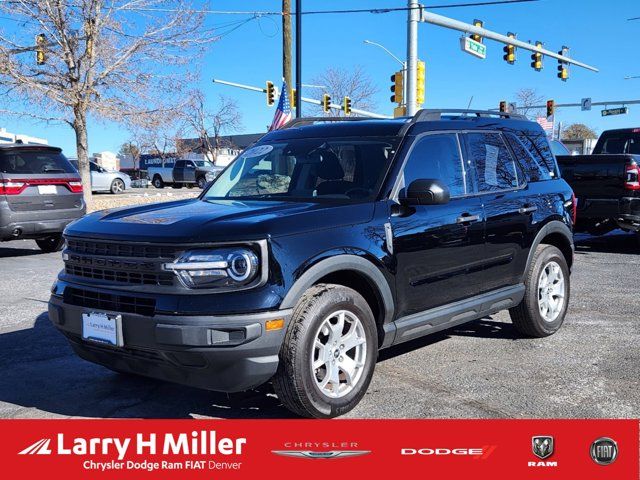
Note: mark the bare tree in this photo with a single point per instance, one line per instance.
(578, 131)
(208, 126)
(353, 83)
(102, 60)
(526, 99)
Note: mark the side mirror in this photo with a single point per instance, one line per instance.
(426, 191)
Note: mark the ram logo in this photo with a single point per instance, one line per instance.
(542, 446)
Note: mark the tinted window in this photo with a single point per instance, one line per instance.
(623, 142)
(538, 145)
(180, 164)
(530, 163)
(34, 162)
(436, 157)
(495, 167)
(93, 167)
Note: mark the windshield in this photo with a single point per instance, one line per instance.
(202, 163)
(308, 169)
(558, 148)
(24, 161)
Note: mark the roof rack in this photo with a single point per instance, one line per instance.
(433, 115)
(296, 122)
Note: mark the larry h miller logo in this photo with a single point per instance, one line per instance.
(41, 447)
(542, 447)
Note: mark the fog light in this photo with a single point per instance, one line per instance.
(276, 324)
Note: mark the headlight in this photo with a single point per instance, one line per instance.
(215, 268)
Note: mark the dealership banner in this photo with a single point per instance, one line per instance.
(308, 449)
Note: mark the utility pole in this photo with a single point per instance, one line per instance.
(413, 17)
(286, 42)
(298, 58)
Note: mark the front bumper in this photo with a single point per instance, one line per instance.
(228, 353)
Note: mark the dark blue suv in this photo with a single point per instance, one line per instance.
(318, 246)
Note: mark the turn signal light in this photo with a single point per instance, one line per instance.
(276, 324)
(632, 182)
(75, 187)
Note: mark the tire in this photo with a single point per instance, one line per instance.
(530, 317)
(51, 243)
(117, 186)
(297, 385)
(202, 182)
(157, 182)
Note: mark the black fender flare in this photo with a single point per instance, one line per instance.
(554, 226)
(342, 263)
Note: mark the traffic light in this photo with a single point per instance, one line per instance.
(563, 67)
(41, 41)
(509, 51)
(503, 106)
(326, 103)
(551, 108)
(271, 94)
(420, 82)
(293, 98)
(475, 36)
(346, 105)
(397, 88)
(536, 58)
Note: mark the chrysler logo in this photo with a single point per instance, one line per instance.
(320, 454)
(542, 446)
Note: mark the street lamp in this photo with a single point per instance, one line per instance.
(404, 65)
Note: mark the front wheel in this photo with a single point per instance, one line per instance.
(51, 243)
(202, 182)
(117, 186)
(546, 297)
(157, 182)
(328, 354)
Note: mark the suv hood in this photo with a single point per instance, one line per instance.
(199, 221)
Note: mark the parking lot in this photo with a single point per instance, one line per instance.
(590, 368)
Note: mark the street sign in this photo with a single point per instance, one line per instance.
(615, 111)
(585, 104)
(472, 47)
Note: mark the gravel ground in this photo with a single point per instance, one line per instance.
(590, 368)
(138, 196)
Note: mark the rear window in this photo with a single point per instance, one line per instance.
(621, 143)
(34, 162)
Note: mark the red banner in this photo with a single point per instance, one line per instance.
(478, 449)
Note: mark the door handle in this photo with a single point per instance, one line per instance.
(467, 218)
(524, 210)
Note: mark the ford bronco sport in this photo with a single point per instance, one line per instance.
(318, 246)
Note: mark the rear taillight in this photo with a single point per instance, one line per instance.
(75, 186)
(574, 205)
(632, 177)
(11, 187)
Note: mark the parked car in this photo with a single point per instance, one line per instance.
(321, 244)
(184, 173)
(40, 194)
(103, 180)
(607, 183)
(558, 148)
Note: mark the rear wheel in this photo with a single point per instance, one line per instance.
(51, 243)
(546, 298)
(157, 182)
(328, 354)
(117, 186)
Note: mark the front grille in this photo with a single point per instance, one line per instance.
(134, 278)
(109, 249)
(121, 263)
(107, 301)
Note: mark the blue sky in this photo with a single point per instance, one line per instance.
(597, 32)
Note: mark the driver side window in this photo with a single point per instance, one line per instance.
(437, 156)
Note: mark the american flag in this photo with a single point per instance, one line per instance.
(283, 112)
(546, 123)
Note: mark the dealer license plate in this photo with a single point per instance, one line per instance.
(47, 189)
(102, 328)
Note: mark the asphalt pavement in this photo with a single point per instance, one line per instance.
(590, 368)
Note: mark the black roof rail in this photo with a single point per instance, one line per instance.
(296, 122)
(433, 115)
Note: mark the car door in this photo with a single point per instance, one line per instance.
(438, 249)
(99, 178)
(178, 171)
(189, 172)
(509, 207)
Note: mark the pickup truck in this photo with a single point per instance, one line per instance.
(184, 172)
(607, 183)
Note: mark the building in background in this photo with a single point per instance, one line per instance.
(229, 146)
(7, 137)
(580, 147)
(107, 160)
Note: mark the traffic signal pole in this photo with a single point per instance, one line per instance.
(413, 17)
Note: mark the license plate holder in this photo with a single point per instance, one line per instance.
(102, 328)
(47, 189)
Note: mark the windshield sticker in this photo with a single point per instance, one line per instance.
(258, 151)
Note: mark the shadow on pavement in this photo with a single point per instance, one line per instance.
(19, 252)
(38, 370)
(614, 242)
